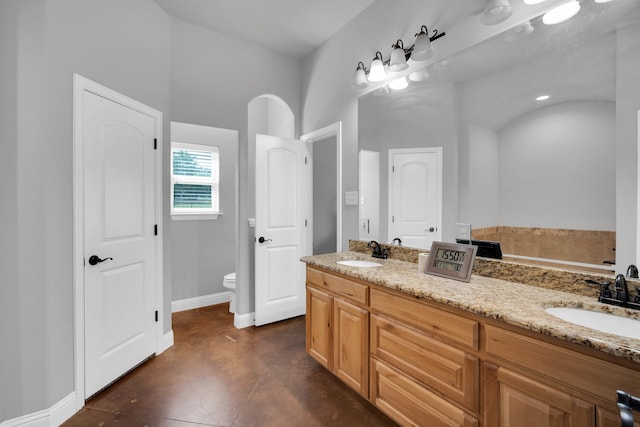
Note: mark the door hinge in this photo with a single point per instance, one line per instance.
(155, 143)
(156, 315)
(393, 218)
(393, 169)
(305, 222)
(305, 160)
(155, 230)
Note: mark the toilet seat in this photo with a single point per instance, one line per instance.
(229, 283)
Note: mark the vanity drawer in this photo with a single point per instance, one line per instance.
(410, 404)
(447, 369)
(562, 364)
(437, 322)
(337, 285)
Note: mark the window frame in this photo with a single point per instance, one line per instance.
(196, 213)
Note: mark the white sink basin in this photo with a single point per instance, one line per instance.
(358, 263)
(603, 322)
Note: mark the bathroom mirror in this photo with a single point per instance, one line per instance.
(536, 175)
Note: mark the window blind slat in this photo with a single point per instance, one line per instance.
(194, 176)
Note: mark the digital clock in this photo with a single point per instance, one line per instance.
(454, 261)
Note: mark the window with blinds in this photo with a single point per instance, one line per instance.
(195, 179)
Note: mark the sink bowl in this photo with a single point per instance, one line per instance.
(358, 263)
(603, 322)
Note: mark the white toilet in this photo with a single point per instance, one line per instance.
(229, 283)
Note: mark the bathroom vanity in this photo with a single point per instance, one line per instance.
(433, 351)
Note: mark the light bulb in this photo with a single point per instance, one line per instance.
(398, 84)
(561, 13)
(377, 73)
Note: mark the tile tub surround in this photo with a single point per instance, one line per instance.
(586, 246)
(543, 277)
(512, 303)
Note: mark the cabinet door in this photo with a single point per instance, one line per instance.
(608, 418)
(319, 327)
(351, 345)
(513, 400)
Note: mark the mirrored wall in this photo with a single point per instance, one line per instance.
(527, 124)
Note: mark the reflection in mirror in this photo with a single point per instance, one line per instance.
(536, 175)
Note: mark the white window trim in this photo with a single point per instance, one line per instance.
(193, 214)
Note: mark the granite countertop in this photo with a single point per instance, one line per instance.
(513, 303)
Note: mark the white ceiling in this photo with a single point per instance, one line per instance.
(294, 27)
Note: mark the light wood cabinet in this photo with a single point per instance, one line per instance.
(442, 367)
(409, 403)
(426, 364)
(514, 400)
(351, 345)
(319, 327)
(338, 330)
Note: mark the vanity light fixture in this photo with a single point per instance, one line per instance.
(420, 51)
(361, 76)
(561, 13)
(497, 11)
(398, 61)
(377, 73)
(532, 2)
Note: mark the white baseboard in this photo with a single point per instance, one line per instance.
(202, 301)
(241, 321)
(52, 417)
(167, 342)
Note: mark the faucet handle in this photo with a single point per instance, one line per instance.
(605, 291)
(622, 292)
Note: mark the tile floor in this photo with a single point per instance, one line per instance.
(217, 375)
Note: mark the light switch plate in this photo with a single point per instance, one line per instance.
(463, 231)
(350, 197)
(252, 222)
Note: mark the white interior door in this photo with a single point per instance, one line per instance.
(281, 207)
(119, 219)
(415, 196)
(369, 188)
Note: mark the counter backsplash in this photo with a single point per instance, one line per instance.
(543, 277)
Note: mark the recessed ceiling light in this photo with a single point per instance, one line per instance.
(542, 98)
(496, 12)
(561, 13)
